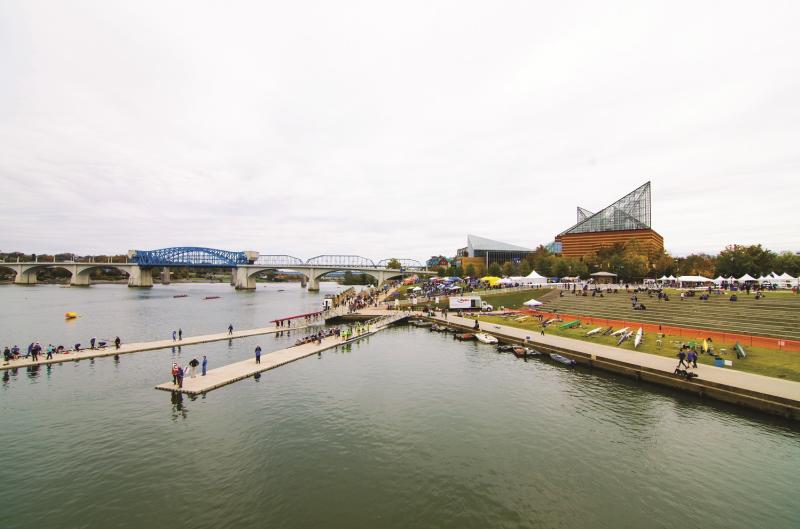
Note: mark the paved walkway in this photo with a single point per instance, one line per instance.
(230, 373)
(770, 386)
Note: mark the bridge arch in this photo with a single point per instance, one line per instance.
(405, 263)
(189, 256)
(341, 261)
(4, 268)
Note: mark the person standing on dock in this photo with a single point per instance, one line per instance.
(230, 328)
(258, 354)
(180, 376)
(193, 367)
(117, 341)
(173, 336)
(174, 373)
(204, 365)
(180, 334)
(92, 341)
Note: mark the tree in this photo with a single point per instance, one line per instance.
(508, 269)
(561, 268)
(441, 272)
(525, 268)
(394, 264)
(470, 270)
(495, 270)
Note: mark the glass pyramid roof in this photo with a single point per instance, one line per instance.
(631, 212)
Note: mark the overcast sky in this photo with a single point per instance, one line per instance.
(393, 129)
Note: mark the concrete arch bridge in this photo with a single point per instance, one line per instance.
(245, 265)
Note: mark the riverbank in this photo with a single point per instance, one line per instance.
(769, 395)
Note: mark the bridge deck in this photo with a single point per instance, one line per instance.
(222, 376)
(143, 346)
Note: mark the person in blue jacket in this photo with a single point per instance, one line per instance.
(204, 365)
(258, 354)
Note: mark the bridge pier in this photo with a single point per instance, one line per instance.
(140, 277)
(243, 280)
(24, 277)
(313, 281)
(165, 276)
(79, 278)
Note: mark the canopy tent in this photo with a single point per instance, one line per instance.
(693, 279)
(719, 280)
(663, 278)
(533, 303)
(746, 277)
(786, 277)
(416, 289)
(454, 287)
(492, 280)
(533, 279)
(672, 278)
(764, 279)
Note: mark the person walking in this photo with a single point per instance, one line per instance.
(204, 365)
(180, 334)
(174, 373)
(258, 354)
(50, 350)
(693, 359)
(230, 328)
(681, 359)
(174, 335)
(193, 363)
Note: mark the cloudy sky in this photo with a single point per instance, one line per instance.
(393, 129)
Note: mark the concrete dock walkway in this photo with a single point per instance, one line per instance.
(141, 346)
(230, 373)
(769, 394)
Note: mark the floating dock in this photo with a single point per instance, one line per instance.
(222, 376)
(158, 344)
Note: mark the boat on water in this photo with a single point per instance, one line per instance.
(421, 323)
(620, 332)
(524, 352)
(181, 296)
(211, 297)
(438, 328)
(638, 339)
(70, 315)
(562, 359)
(464, 336)
(485, 338)
(594, 331)
(506, 348)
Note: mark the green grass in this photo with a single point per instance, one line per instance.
(768, 362)
(776, 316)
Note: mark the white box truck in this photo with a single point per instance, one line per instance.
(469, 303)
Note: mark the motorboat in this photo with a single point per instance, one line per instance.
(562, 359)
(524, 352)
(485, 338)
(421, 323)
(464, 336)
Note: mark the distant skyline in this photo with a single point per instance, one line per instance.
(383, 131)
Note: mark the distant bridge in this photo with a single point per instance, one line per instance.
(245, 265)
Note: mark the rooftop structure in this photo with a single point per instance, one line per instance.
(625, 220)
(481, 252)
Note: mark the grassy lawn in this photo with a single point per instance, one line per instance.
(776, 316)
(762, 361)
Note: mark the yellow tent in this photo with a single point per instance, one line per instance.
(492, 280)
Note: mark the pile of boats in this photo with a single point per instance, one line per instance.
(517, 350)
(624, 334)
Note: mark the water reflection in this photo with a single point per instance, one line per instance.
(33, 371)
(179, 410)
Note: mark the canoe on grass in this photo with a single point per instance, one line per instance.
(638, 340)
(594, 331)
(619, 332)
(608, 331)
(570, 324)
(740, 353)
(624, 337)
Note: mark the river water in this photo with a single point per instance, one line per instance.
(407, 428)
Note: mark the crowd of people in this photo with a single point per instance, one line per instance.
(35, 350)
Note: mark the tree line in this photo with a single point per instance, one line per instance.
(630, 263)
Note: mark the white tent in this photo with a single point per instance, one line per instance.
(532, 279)
(746, 277)
(693, 279)
(663, 278)
(786, 277)
(764, 279)
(719, 280)
(533, 303)
(672, 278)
